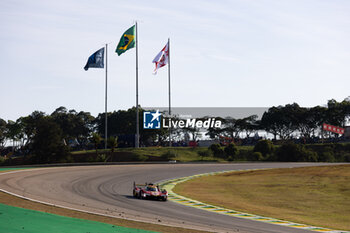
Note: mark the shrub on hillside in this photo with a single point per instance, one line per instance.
(169, 155)
(327, 156)
(346, 157)
(214, 147)
(101, 158)
(204, 153)
(287, 153)
(67, 159)
(2, 160)
(141, 158)
(217, 150)
(265, 147)
(255, 156)
(291, 152)
(231, 151)
(220, 153)
(307, 155)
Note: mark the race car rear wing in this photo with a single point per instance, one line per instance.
(143, 185)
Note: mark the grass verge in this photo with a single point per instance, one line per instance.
(19, 202)
(317, 196)
(183, 154)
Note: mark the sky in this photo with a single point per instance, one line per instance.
(225, 53)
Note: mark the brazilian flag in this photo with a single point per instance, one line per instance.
(127, 41)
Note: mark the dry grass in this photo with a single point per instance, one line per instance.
(317, 196)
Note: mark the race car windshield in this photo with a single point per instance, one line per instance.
(151, 189)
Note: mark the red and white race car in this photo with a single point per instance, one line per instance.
(149, 191)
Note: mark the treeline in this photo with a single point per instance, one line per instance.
(289, 122)
(47, 138)
(265, 150)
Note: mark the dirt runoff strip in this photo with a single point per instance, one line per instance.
(170, 184)
(13, 201)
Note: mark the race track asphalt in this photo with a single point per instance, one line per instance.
(107, 190)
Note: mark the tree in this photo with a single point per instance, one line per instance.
(247, 124)
(84, 126)
(47, 145)
(74, 125)
(194, 132)
(14, 131)
(230, 127)
(96, 139)
(29, 126)
(346, 109)
(112, 142)
(335, 114)
(269, 121)
(3, 132)
(213, 132)
(123, 124)
(281, 121)
(306, 124)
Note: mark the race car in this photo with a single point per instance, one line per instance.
(149, 191)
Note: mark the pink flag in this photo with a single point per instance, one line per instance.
(162, 58)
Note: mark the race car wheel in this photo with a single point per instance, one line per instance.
(164, 198)
(134, 193)
(140, 195)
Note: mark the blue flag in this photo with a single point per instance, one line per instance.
(96, 60)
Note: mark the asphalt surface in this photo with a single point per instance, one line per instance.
(108, 190)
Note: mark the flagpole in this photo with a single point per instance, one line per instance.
(106, 102)
(137, 92)
(169, 90)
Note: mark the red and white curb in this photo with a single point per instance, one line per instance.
(170, 184)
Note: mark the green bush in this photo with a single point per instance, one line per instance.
(141, 158)
(218, 151)
(291, 152)
(47, 143)
(308, 156)
(287, 153)
(67, 159)
(231, 151)
(331, 152)
(101, 158)
(90, 159)
(255, 156)
(265, 147)
(346, 157)
(169, 155)
(327, 156)
(214, 147)
(244, 154)
(204, 153)
(2, 160)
